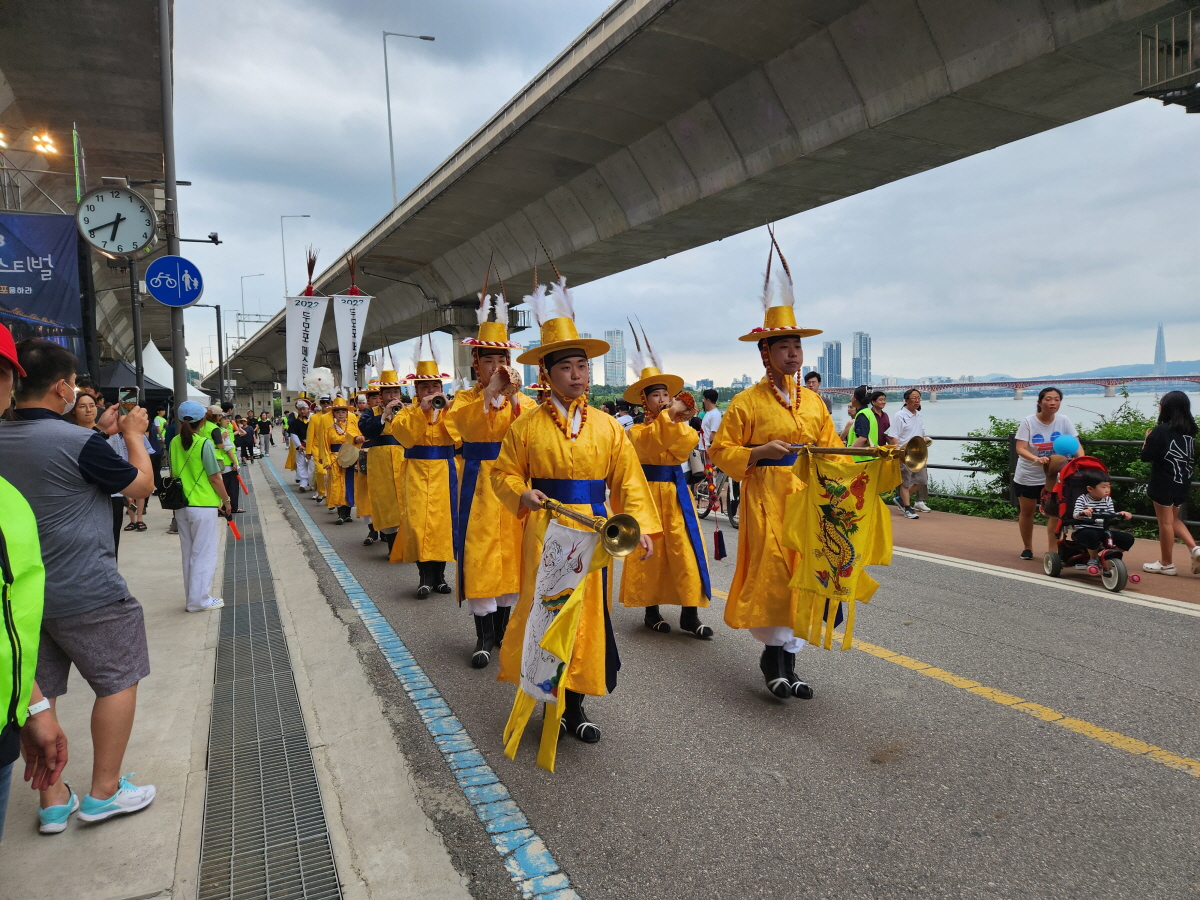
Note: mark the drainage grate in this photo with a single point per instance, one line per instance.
(264, 827)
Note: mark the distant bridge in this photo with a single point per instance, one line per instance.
(1018, 386)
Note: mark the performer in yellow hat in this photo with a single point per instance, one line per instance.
(677, 574)
(430, 510)
(570, 452)
(385, 460)
(342, 429)
(487, 541)
(753, 446)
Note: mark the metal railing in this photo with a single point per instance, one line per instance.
(1011, 469)
(1167, 54)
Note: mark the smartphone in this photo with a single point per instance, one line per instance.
(127, 397)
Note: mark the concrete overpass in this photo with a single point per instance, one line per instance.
(671, 123)
(59, 66)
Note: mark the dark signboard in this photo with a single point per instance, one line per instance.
(39, 278)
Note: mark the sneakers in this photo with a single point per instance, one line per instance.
(53, 819)
(896, 501)
(1157, 568)
(909, 512)
(1026, 554)
(1082, 567)
(920, 506)
(211, 604)
(129, 798)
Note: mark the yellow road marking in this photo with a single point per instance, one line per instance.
(1044, 713)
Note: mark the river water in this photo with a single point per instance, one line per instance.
(957, 417)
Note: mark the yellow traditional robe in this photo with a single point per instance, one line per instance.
(672, 574)
(759, 595)
(335, 495)
(488, 545)
(315, 445)
(427, 516)
(385, 474)
(535, 448)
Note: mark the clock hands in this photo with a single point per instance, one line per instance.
(115, 223)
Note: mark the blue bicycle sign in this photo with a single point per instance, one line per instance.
(174, 281)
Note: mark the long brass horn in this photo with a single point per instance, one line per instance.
(619, 534)
(914, 454)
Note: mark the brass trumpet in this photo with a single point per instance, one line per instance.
(619, 534)
(914, 454)
(438, 401)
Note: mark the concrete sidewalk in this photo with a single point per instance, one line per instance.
(384, 845)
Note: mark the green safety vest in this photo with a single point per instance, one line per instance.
(188, 465)
(872, 437)
(224, 457)
(24, 587)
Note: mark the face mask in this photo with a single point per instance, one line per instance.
(70, 403)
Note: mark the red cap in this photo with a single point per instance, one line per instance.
(8, 350)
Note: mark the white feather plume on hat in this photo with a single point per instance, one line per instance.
(486, 302)
(563, 299)
(319, 381)
(538, 304)
(500, 305)
(634, 354)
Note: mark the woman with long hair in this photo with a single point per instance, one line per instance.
(193, 460)
(1169, 448)
(84, 412)
(1035, 445)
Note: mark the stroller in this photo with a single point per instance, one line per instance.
(1058, 502)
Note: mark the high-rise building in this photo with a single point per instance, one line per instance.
(531, 372)
(860, 359)
(591, 362)
(1160, 353)
(614, 359)
(704, 384)
(830, 364)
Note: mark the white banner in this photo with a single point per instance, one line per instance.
(304, 318)
(566, 558)
(350, 318)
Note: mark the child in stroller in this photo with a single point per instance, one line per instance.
(1082, 500)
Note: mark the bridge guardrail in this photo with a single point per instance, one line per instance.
(1011, 440)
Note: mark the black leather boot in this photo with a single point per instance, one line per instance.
(372, 536)
(437, 572)
(798, 688)
(485, 643)
(426, 587)
(576, 722)
(502, 614)
(689, 621)
(655, 622)
(775, 672)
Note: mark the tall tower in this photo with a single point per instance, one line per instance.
(614, 359)
(1160, 353)
(830, 364)
(531, 372)
(591, 363)
(860, 360)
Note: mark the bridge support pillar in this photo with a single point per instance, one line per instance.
(1018, 394)
(1110, 390)
(933, 396)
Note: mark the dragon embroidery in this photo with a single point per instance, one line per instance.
(837, 524)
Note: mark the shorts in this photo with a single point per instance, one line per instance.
(909, 478)
(107, 646)
(1093, 538)
(1169, 499)
(1029, 491)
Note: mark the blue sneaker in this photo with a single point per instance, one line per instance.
(53, 819)
(129, 798)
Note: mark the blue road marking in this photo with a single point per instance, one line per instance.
(527, 860)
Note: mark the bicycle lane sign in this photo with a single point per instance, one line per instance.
(174, 281)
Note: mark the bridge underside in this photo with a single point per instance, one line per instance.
(674, 123)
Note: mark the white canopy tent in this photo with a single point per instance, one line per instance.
(156, 367)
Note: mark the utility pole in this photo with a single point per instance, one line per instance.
(171, 194)
(135, 300)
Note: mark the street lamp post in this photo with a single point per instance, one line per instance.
(387, 84)
(244, 277)
(283, 245)
(220, 352)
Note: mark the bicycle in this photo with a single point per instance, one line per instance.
(725, 502)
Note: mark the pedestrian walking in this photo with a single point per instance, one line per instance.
(812, 381)
(1169, 448)
(193, 460)
(907, 425)
(1035, 445)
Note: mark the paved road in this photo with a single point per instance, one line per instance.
(889, 783)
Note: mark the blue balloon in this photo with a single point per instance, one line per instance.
(1066, 445)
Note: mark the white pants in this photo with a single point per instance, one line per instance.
(304, 469)
(484, 605)
(198, 543)
(778, 636)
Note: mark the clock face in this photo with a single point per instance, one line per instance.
(116, 221)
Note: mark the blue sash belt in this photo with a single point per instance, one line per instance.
(349, 473)
(789, 460)
(474, 452)
(384, 440)
(669, 474)
(446, 452)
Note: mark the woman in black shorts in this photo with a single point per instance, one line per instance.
(1169, 448)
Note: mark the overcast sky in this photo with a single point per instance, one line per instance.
(1057, 253)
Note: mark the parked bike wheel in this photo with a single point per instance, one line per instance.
(702, 500)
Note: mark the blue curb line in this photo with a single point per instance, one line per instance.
(526, 858)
